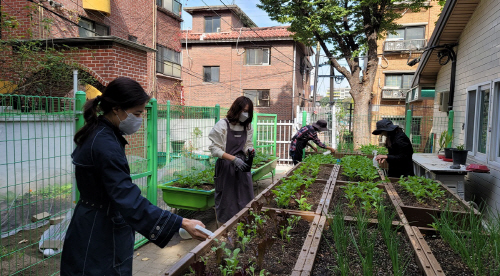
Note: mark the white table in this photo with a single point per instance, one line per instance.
(430, 166)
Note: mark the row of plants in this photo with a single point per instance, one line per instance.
(262, 242)
(422, 187)
(475, 239)
(360, 248)
(294, 189)
(368, 149)
(358, 168)
(364, 194)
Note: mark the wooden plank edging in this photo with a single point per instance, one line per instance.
(428, 252)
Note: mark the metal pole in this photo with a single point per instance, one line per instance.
(408, 123)
(75, 82)
(80, 97)
(152, 148)
(318, 49)
(332, 73)
(304, 118)
(168, 131)
(350, 116)
(451, 116)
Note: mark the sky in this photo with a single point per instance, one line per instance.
(260, 18)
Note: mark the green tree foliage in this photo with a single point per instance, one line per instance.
(345, 29)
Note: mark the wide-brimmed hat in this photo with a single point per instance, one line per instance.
(384, 125)
(321, 125)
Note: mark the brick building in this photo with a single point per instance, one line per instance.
(116, 38)
(226, 55)
(393, 79)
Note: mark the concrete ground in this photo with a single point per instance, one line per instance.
(152, 260)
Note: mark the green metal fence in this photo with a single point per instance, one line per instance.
(37, 191)
(36, 140)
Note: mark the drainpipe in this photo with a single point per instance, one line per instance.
(293, 77)
(453, 57)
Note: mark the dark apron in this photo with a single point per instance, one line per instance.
(233, 189)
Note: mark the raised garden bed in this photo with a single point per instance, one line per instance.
(279, 255)
(351, 208)
(186, 198)
(421, 214)
(264, 169)
(317, 196)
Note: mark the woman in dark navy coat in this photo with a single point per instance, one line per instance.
(100, 237)
(400, 150)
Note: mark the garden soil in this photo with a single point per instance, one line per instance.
(450, 262)
(326, 263)
(410, 200)
(340, 199)
(316, 192)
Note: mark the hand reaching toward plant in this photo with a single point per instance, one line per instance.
(381, 158)
(190, 224)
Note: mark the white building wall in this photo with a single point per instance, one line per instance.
(478, 61)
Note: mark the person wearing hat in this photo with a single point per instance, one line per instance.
(301, 139)
(400, 150)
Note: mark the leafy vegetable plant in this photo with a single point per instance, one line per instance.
(358, 168)
(368, 149)
(422, 187)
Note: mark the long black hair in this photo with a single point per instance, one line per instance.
(391, 135)
(233, 115)
(122, 93)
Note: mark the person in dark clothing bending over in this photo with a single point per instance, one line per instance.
(301, 139)
(400, 150)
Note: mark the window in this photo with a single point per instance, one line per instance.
(408, 33)
(212, 24)
(168, 62)
(495, 147)
(260, 98)
(211, 73)
(402, 81)
(476, 128)
(170, 5)
(257, 56)
(92, 28)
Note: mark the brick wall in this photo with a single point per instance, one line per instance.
(235, 76)
(227, 18)
(127, 18)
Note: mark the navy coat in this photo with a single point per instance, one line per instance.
(100, 237)
(400, 155)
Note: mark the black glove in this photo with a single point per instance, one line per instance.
(240, 164)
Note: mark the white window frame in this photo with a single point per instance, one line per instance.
(495, 123)
(474, 151)
(258, 64)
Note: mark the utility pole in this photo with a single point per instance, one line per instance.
(318, 49)
(332, 73)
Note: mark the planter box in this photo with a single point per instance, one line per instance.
(265, 169)
(320, 234)
(188, 199)
(323, 202)
(421, 216)
(182, 265)
(336, 191)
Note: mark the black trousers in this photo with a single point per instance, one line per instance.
(296, 156)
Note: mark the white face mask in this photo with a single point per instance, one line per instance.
(130, 125)
(243, 116)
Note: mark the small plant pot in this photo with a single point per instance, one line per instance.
(162, 159)
(459, 157)
(448, 153)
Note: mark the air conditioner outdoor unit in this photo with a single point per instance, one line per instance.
(218, 29)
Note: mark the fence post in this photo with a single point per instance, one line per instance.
(408, 120)
(152, 146)
(167, 136)
(80, 98)
(255, 129)
(275, 133)
(451, 116)
(304, 118)
(334, 126)
(217, 113)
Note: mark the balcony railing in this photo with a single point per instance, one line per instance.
(405, 45)
(394, 94)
